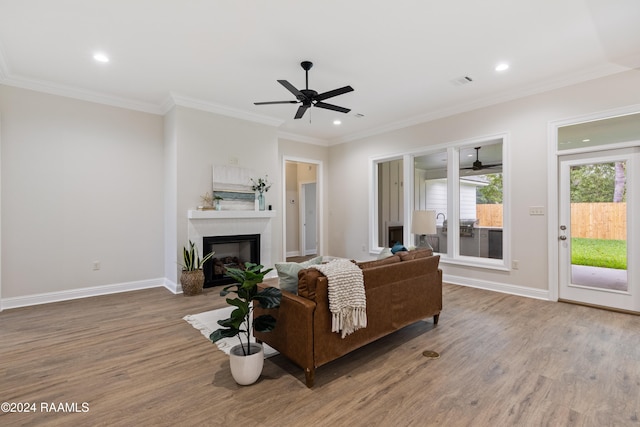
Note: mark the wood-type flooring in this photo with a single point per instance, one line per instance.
(130, 360)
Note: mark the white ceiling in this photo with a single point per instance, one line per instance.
(401, 57)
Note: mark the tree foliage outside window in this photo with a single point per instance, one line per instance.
(598, 183)
(490, 194)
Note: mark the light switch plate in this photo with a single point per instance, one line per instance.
(536, 210)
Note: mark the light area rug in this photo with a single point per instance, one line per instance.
(207, 322)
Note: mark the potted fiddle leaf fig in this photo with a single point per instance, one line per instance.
(192, 277)
(247, 358)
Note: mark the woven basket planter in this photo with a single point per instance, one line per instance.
(192, 282)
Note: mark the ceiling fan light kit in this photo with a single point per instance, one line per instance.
(308, 97)
(477, 165)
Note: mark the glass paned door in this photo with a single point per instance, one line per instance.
(596, 198)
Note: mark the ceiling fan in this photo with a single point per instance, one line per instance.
(477, 165)
(309, 97)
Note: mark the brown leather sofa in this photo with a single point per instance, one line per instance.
(400, 290)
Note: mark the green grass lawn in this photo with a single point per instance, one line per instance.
(599, 253)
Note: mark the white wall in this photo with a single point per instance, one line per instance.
(526, 120)
(170, 198)
(81, 182)
(204, 139)
(0, 212)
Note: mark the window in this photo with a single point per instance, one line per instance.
(389, 227)
(481, 197)
(430, 193)
(465, 183)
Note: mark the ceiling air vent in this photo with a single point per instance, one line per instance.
(460, 81)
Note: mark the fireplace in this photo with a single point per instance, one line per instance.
(230, 251)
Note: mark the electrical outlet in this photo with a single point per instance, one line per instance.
(96, 265)
(515, 264)
(536, 210)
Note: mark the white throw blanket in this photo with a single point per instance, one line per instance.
(347, 301)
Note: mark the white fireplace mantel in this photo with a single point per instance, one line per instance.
(230, 223)
(213, 214)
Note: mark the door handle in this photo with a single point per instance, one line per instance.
(563, 228)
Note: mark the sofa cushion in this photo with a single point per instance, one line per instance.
(288, 273)
(377, 262)
(415, 254)
(433, 262)
(307, 279)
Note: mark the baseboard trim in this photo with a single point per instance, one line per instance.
(172, 286)
(504, 288)
(28, 300)
(293, 253)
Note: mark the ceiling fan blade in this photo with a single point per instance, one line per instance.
(331, 107)
(291, 88)
(481, 167)
(301, 110)
(275, 102)
(332, 93)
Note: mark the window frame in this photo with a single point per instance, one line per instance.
(452, 256)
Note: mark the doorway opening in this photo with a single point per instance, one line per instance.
(302, 210)
(596, 193)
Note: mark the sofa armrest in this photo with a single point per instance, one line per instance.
(293, 334)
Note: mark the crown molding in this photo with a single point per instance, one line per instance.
(210, 107)
(170, 102)
(167, 105)
(540, 87)
(302, 138)
(81, 94)
(178, 100)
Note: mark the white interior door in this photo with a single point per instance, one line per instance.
(598, 237)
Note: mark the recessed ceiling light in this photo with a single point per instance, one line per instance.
(586, 140)
(503, 66)
(101, 57)
(337, 122)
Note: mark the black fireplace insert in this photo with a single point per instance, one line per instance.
(230, 252)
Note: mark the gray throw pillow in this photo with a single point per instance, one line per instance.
(288, 273)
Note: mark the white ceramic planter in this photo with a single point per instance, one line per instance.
(246, 369)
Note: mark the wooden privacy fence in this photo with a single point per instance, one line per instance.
(588, 220)
(599, 220)
(489, 215)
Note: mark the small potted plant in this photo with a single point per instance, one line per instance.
(262, 185)
(247, 358)
(192, 277)
(216, 202)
